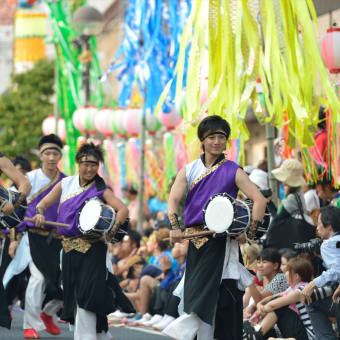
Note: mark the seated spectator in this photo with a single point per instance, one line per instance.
(147, 283)
(320, 309)
(268, 266)
(285, 308)
(286, 256)
(128, 248)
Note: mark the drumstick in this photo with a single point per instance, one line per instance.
(199, 234)
(56, 224)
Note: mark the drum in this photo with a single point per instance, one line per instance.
(12, 220)
(96, 219)
(225, 214)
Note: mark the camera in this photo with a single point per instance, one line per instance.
(266, 192)
(311, 247)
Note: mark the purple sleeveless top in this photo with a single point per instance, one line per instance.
(70, 208)
(219, 181)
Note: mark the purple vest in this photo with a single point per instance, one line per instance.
(70, 208)
(50, 214)
(219, 181)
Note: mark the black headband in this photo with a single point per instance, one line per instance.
(214, 133)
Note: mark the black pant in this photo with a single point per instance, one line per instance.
(290, 324)
(229, 318)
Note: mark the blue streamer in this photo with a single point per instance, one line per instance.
(122, 162)
(149, 52)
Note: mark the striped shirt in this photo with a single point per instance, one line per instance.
(304, 316)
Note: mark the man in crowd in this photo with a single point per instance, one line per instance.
(319, 310)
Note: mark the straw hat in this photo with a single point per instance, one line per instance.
(290, 173)
(260, 178)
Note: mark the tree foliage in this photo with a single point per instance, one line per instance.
(23, 107)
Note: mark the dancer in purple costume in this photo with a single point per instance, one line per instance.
(215, 279)
(86, 279)
(44, 245)
(7, 208)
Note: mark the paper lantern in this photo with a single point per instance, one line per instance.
(78, 120)
(49, 126)
(83, 119)
(330, 49)
(133, 121)
(152, 123)
(171, 120)
(89, 119)
(118, 123)
(102, 122)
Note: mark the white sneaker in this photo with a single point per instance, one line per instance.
(118, 314)
(145, 317)
(184, 327)
(155, 319)
(162, 324)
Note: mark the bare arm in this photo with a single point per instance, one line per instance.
(175, 196)
(251, 191)
(15, 175)
(291, 298)
(257, 295)
(177, 192)
(121, 209)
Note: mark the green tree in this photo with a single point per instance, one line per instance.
(23, 107)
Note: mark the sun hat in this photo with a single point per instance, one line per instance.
(290, 173)
(260, 178)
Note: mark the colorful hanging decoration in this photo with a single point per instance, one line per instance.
(102, 121)
(30, 31)
(247, 40)
(133, 121)
(150, 49)
(70, 90)
(170, 119)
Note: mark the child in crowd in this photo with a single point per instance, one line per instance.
(285, 308)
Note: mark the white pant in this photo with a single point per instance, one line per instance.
(187, 326)
(85, 326)
(34, 299)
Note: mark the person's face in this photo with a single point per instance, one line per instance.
(137, 269)
(284, 262)
(292, 278)
(286, 189)
(215, 144)
(324, 192)
(266, 268)
(324, 232)
(88, 170)
(126, 245)
(50, 159)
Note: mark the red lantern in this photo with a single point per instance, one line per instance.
(330, 49)
(170, 120)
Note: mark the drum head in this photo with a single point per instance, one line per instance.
(219, 213)
(90, 214)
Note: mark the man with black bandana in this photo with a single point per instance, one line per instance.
(89, 288)
(44, 245)
(24, 188)
(214, 280)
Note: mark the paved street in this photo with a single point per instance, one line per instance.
(119, 333)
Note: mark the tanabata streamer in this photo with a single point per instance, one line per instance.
(248, 39)
(153, 30)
